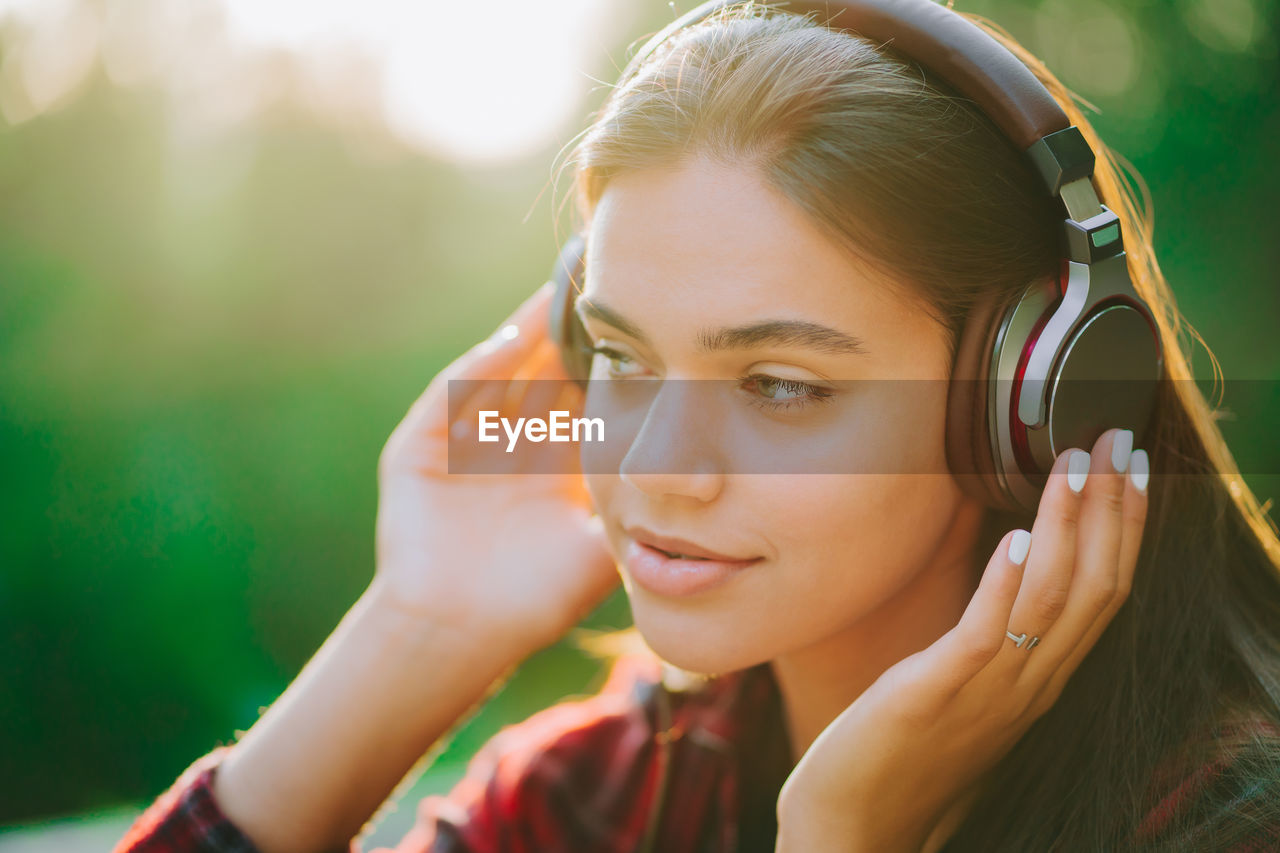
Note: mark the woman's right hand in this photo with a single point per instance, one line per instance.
(518, 555)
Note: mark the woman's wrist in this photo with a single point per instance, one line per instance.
(408, 621)
(406, 624)
(387, 684)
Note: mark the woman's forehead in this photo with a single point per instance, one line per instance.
(702, 214)
(719, 236)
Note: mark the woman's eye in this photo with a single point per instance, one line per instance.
(768, 393)
(611, 355)
(782, 395)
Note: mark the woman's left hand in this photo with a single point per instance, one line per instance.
(898, 768)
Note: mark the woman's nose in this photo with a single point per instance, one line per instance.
(673, 453)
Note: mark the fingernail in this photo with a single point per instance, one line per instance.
(1120, 450)
(1138, 470)
(508, 332)
(1019, 545)
(1077, 470)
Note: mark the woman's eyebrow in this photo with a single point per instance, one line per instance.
(795, 333)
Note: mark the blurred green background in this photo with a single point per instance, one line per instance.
(238, 238)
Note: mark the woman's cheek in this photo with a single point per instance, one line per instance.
(601, 488)
(854, 530)
(820, 518)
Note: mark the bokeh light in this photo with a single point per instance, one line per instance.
(465, 83)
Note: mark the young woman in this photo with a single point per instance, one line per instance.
(847, 669)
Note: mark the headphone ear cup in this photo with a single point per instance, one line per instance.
(1103, 373)
(566, 329)
(969, 418)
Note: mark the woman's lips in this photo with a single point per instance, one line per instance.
(681, 547)
(672, 576)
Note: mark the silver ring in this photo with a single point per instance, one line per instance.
(1019, 640)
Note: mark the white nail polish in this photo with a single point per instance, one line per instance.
(1019, 545)
(1120, 450)
(1138, 469)
(1078, 470)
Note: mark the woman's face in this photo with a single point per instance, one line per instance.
(844, 504)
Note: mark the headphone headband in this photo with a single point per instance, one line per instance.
(983, 70)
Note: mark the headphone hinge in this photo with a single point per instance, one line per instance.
(1094, 239)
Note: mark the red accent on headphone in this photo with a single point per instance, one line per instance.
(1017, 429)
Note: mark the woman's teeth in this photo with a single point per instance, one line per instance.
(680, 556)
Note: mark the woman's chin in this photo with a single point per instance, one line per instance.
(693, 647)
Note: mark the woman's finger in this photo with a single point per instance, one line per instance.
(977, 637)
(1095, 578)
(1134, 524)
(507, 396)
(547, 373)
(428, 418)
(541, 390)
(527, 394)
(527, 397)
(497, 357)
(1047, 582)
(1134, 520)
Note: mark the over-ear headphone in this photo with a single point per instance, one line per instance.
(1059, 365)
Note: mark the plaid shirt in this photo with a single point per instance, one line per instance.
(646, 764)
(579, 777)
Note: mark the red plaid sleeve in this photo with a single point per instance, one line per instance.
(186, 819)
(577, 776)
